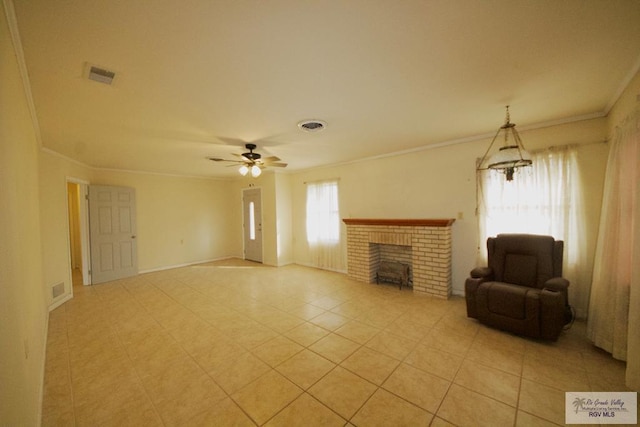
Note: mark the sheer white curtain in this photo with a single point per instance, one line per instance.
(542, 199)
(616, 250)
(323, 225)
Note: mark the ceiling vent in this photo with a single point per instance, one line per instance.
(101, 75)
(312, 125)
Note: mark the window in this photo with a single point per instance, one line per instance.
(252, 221)
(323, 215)
(542, 199)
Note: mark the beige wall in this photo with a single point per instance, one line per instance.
(23, 305)
(284, 219)
(180, 220)
(440, 183)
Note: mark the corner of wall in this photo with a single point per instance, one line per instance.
(23, 304)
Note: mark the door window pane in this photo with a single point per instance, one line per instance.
(252, 221)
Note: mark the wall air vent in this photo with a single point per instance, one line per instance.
(101, 75)
(312, 125)
(57, 290)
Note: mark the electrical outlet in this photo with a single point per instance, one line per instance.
(460, 215)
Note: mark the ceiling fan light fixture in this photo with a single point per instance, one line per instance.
(252, 162)
(312, 125)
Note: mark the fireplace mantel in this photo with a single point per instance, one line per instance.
(445, 222)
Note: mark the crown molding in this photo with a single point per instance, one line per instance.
(12, 23)
(468, 139)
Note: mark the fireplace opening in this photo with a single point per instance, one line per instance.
(392, 263)
(393, 271)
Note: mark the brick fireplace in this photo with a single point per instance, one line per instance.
(427, 240)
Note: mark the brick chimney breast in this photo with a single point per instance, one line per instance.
(430, 242)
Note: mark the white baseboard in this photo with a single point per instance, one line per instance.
(59, 302)
(44, 361)
(320, 268)
(457, 292)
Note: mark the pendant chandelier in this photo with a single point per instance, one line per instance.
(511, 156)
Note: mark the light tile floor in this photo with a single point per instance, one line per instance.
(238, 343)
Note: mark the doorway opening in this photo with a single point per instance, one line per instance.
(78, 215)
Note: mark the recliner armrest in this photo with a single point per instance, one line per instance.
(558, 284)
(482, 273)
(552, 305)
(470, 288)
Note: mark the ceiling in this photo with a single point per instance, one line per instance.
(199, 78)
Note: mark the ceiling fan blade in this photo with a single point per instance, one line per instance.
(270, 159)
(217, 159)
(254, 159)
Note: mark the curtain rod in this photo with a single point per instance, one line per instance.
(321, 180)
(581, 144)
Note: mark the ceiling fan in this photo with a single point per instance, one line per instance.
(252, 162)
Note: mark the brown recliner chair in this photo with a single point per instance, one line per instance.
(521, 290)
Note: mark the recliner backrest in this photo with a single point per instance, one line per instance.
(525, 259)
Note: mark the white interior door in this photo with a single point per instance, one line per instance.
(252, 215)
(84, 233)
(112, 224)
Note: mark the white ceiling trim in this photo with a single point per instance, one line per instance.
(12, 22)
(465, 140)
(139, 172)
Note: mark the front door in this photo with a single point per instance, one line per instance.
(112, 225)
(252, 222)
